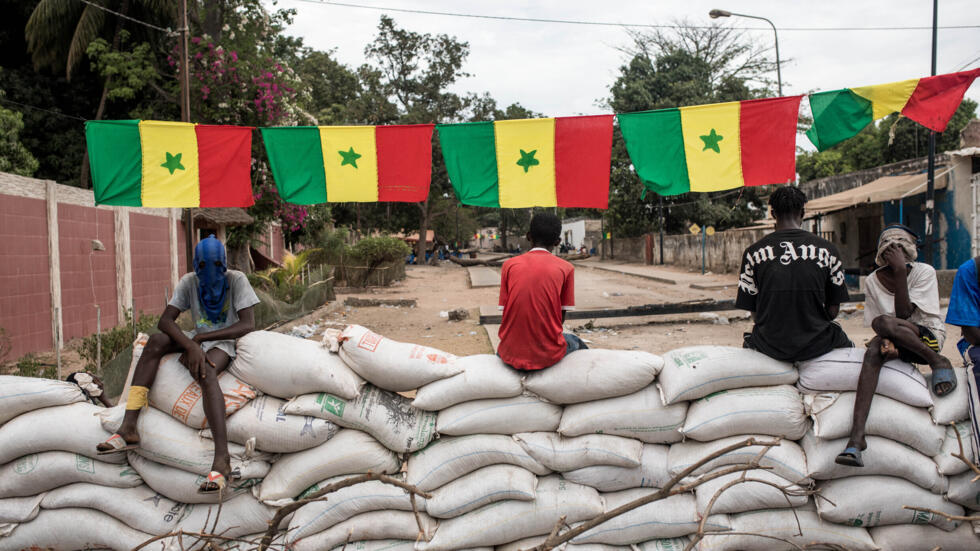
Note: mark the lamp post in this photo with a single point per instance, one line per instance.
(715, 14)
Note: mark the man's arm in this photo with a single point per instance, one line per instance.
(193, 353)
(833, 310)
(242, 327)
(971, 334)
(900, 275)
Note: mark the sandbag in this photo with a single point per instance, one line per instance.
(484, 376)
(174, 391)
(772, 411)
(286, 366)
(882, 457)
(72, 529)
(349, 452)
(499, 416)
(878, 501)
(561, 454)
(275, 430)
(22, 394)
(71, 428)
(963, 491)
(506, 521)
(393, 365)
(39, 472)
(449, 458)
(697, 371)
(911, 537)
(481, 487)
(14, 510)
(947, 464)
(663, 544)
(181, 486)
(786, 460)
(954, 406)
(594, 374)
(387, 416)
(376, 525)
(832, 415)
(839, 369)
(165, 440)
(804, 528)
(652, 472)
(641, 415)
(378, 545)
(748, 495)
(346, 503)
(670, 517)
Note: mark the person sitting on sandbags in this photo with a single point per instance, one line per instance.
(220, 301)
(902, 306)
(536, 289)
(91, 386)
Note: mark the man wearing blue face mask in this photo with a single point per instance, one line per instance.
(220, 301)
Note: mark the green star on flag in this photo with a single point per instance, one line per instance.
(711, 141)
(349, 157)
(173, 163)
(527, 160)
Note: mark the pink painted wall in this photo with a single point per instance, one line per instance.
(87, 277)
(25, 292)
(149, 243)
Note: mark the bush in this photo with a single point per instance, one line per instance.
(377, 250)
(30, 366)
(333, 246)
(115, 340)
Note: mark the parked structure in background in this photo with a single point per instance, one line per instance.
(581, 232)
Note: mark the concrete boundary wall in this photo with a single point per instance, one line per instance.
(722, 251)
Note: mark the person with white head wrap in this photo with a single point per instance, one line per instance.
(902, 306)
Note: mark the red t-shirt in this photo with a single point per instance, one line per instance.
(534, 289)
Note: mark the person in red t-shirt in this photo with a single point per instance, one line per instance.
(536, 289)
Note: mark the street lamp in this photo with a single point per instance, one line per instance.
(715, 14)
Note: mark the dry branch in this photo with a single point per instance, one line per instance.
(962, 456)
(947, 516)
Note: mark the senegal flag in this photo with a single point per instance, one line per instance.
(562, 161)
(169, 164)
(713, 147)
(930, 101)
(316, 164)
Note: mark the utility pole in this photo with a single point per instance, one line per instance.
(931, 182)
(661, 229)
(185, 116)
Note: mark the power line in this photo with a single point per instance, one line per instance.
(614, 24)
(170, 32)
(5, 100)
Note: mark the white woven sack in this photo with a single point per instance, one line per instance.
(393, 365)
(786, 460)
(882, 457)
(286, 366)
(165, 440)
(14, 510)
(949, 465)
(663, 544)
(70, 529)
(275, 430)
(39, 472)
(749, 495)
(484, 376)
(22, 394)
(349, 452)
(499, 416)
(641, 415)
(770, 410)
(181, 486)
(963, 491)
(376, 525)
(174, 391)
(696, 371)
(839, 369)
(911, 537)
(502, 522)
(561, 454)
(71, 428)
(832, 415)
(449, 458)
(652, 472)
(801, 526)
(482, 487)
(594, 374)
(879, 500)
(671, 517)
(954, 406)
(378, 545)
(387, 416)
(346, 503)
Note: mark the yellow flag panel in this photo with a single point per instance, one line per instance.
(887, 98)
(350, 163)
(170, 164)
(712, 146)
(526, 163)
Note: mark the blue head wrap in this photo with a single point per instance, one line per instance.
(212, 283)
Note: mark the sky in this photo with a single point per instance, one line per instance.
(561, 69)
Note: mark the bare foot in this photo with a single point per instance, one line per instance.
(888, 350)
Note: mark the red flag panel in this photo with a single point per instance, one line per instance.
(935, 99)
(767, 129)
(583, 147)
(225, 163)
(404, 162)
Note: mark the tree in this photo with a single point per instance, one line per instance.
(14, 157)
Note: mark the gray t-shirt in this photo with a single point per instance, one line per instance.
(240, 296)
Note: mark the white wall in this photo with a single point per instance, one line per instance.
(573, 233)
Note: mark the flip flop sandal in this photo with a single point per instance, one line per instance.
(850, 457)
(215, 483)
(118, 444)
(943, 375)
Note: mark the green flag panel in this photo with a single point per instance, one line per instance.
(297, 163)
(116, 162)
(471, 162)
(655, 144)
(837, 116)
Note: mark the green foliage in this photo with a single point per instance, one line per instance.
(30, 366)
(373, 251)
(127, 71)
(286, 282)
(332, 244)
(115, 340)
(14, 157)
